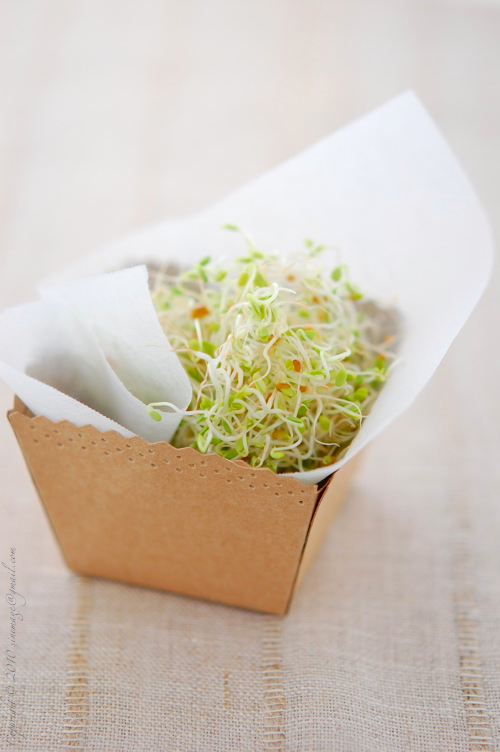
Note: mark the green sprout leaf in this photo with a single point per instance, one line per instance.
(337, 274)
(276, 454)
(324, 422)
(340, 378)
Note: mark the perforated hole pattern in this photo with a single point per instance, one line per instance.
(153, 459)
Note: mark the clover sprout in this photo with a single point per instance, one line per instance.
(284, 360)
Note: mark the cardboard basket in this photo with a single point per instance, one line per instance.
(175, 519)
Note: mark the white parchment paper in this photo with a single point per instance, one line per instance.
(93, 352)
(386, 190)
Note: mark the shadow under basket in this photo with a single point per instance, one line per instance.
(175, 519)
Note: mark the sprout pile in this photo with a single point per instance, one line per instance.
(284, 360)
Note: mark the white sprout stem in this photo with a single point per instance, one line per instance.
(283, 362)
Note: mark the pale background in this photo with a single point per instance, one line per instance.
(115, 114)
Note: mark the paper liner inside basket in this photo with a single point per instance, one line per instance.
(386, 191)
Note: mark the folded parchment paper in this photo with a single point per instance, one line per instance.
(386, 190)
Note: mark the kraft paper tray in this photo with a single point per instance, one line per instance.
(174, 519)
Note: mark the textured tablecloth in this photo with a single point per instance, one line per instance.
(393, 641)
